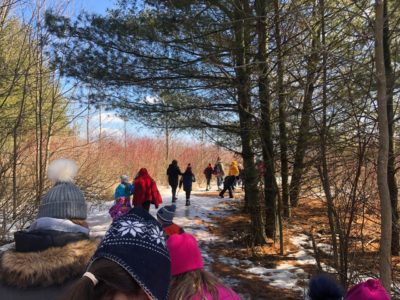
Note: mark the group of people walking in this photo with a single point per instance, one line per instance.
(139, 257)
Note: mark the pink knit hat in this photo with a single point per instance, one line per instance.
(371, 289)
(185, 254)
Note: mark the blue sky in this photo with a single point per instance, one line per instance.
(111, 123)
(95, 6)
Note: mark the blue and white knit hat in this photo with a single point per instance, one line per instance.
(64, 200)
(136, 242)
(166, 214)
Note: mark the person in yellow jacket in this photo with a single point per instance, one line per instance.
(233, 169)
(230, 180)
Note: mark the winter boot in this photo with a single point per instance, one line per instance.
(187, 202)
(174, 200)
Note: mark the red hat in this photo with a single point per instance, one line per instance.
(371, 289)
(185, 254)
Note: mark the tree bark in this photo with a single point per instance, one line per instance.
(384, 195)
(393, 190)
(245, 118)
(266, 128)
(283, 142)
(303, 135)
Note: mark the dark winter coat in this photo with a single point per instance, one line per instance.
(173, 173)
(219, 170)
(46, 274)
(208, 172)
(229, 181)
(188, 179)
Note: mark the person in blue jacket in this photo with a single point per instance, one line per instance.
(124, 189)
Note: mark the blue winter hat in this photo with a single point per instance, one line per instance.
(166, 214)
(324, 287)
(136, 242)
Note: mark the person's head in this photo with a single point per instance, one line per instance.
(113, 283)
(143, 172)
(189, 167)
(124, 179)
(188, 276)
(64, 200)
(324, 287)
(234, 163)
(371, 289)
(166, 214)
(131, 262)
(209, 165)
(174, 162)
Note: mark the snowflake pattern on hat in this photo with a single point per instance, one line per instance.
(136, 241)
(131, 229)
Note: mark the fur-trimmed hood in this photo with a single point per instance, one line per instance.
(53, 266)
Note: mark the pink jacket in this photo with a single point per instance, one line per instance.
(223, 293)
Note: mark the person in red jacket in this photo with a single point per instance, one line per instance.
(146, 191)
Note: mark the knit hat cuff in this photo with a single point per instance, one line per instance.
(63, 210)
(123, 265)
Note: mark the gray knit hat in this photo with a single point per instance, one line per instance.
(64, 200)
(166, 214)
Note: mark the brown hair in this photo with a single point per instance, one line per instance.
(80, 222)
(195, 283)
(112, 279)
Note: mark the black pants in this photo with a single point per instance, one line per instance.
(174, 187)
(224, 190)
(188, 195)
(146, 205)
(208, 181)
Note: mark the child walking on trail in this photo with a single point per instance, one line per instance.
(189, 279)
(165, 216)
(124, 189)
(131, 262)
(208, 173)
(187, 181)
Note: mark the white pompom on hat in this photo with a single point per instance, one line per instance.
(62, 170)
(64, 200)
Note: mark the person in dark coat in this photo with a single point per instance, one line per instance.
(187, 181)
(219, 172)
(208, 173)
(228, 185)
(173, 173)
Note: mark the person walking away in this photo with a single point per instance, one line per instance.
(124, 189)
(146, 191)
(173, 173)
(208, 173)
(187, 181)
(189, 279)
(229, 180)
(219, 172)
(131, 262)
(165, 216)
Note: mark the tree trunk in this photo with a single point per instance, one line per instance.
(266, 128)
(245, 119)
(384, 195)
(303, 135)
(391, 155)
(324, 174)
(283, 142)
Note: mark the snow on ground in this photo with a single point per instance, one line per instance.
(193, 219)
